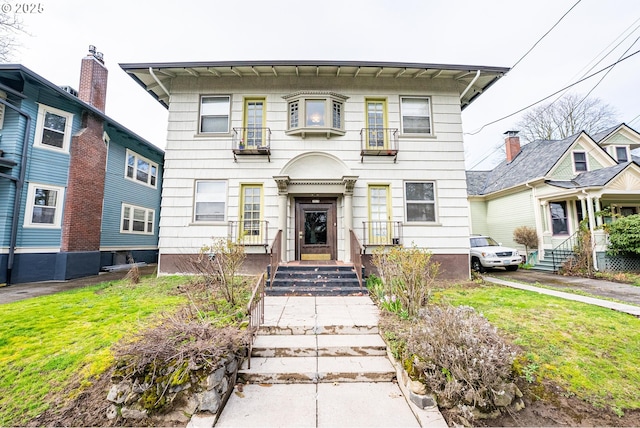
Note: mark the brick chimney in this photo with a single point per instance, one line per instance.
(87, 167)
(512, 144)
(93, 79)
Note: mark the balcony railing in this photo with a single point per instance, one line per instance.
(250, 232)
(380, 233)
(379, 142)
(251, 141)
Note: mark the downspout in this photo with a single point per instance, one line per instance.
(158, 81)
(537, 220)
(470, 85)
(592, 221)
(19, 184)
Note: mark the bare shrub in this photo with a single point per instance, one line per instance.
(218, 264)
(456, 353)
(581, 262)
(527, 236)
(133, 276)
(408, 275)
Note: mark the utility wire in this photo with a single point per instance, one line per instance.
(544, 35)
(555, 93)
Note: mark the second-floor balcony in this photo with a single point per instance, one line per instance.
(381, 233)
(379, 142)
(251, 141)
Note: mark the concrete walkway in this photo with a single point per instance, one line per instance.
(322, 399)
(620, 307)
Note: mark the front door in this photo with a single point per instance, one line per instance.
(316, 229)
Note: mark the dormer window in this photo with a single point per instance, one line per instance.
(312, 112)
(579, 161)
(621, 154)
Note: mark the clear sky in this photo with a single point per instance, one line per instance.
(596, 33)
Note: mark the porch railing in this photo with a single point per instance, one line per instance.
(275, 257)
(564, 250)
(380, 233)
(379, 142)
(356, 255)
(255, 309)
(250, 232)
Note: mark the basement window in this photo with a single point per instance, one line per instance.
(312, 112)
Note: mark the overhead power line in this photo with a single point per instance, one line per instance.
(555, 93)
(544, 35)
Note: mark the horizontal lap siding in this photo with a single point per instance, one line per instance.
(119, 190)
(507, 213)
(190, 156)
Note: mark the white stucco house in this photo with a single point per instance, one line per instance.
(314, 157)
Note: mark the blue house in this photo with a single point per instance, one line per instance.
(78, 191)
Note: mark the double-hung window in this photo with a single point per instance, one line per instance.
(622, 155)
(559, 218)
(137, 220)
(416, 115)
(210, 201)
(44, 206)
(250, 212)
(53, 129)
(141, 169)
(420, 200)
(580, 161)
(214, 114)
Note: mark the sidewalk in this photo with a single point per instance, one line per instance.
(328, 403)
(614, 290)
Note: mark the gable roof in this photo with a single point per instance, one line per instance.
(471, 80)
(19, 71)
(537, 159)
(533, 161)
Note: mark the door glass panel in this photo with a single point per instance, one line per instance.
(375, 123)
(378, 204)
(315, 227)
(254, 123)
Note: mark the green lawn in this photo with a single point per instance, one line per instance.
(593, 352)
(48, 342)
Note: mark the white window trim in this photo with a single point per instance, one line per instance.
(37, 142)
(28, 215)
(414, 134)
(435, 203)
(226, 203)
(199, 129)
(146, 217)
(135, 169)
(573, 161)
(3, 96)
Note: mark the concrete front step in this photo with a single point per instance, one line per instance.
(320, 289)
(321, 345)
(317, 370)
(317, 329)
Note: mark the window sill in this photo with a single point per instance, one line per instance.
(422, 223)
(416, 136)
(209, 223)
(329, 132)
(204, 135)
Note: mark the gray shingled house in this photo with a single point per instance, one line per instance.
(552, 185)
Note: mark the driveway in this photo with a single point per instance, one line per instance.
(596, 287)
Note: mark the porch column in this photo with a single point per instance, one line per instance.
(349, 184)
(598, 209)
(592, 222)
(283, 196)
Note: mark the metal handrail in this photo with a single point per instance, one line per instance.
(251, 138)
(356, 255)
(255, 309)
(275, 257)
(568, 245)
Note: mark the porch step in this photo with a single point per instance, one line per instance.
(317, 369)
(355, 345)
(299, 330)
(309, 280)
(546, 265)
